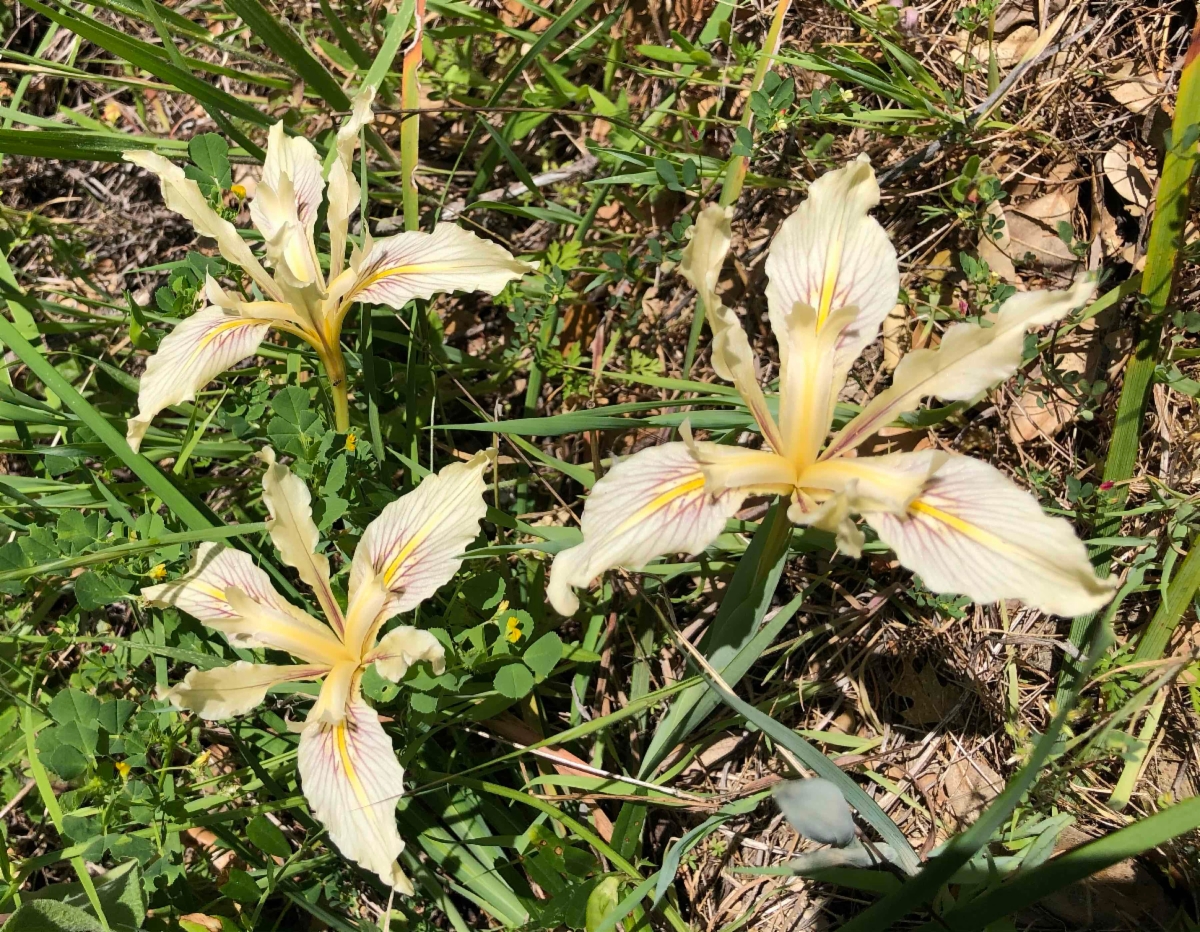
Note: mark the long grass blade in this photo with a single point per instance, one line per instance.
(813, 759)
(54, 810)
(1158, 283)
(1070, 867)
(120, 551)
(283, 41)
(40, 366)
(148, 58)
(745, 602)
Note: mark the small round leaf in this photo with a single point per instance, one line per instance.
(513, 681)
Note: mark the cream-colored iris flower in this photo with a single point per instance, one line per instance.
(956, 521)
(298, 297)
(348, 770)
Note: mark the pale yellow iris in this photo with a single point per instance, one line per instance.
(348, 770)
(297, 295)
(833, 277)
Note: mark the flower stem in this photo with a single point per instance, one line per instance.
(335, 369)
(735, 172)
(410, 129)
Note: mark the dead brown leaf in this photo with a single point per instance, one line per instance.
(1130, 177)
(210, 923)
(1137, 91)
(932, 700)
(1036, 208)
(1015, 45)
(713, 754)
(969, 784)
(1040, 415)
(1032, 229)
(1020, 12)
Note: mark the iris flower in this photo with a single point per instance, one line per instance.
(348, 770)
(298, 296)
(833, 277)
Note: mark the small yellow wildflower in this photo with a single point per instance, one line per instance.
(238, 191)
(123, 769)
(158, 572)
(351, 441)
(112, 112)
(512, 629)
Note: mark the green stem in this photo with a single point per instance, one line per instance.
(1179, 596)
(1162, 256)
(335, 369)
(366, 349)
(1151, 646)
(410, 129)
(735, 172)
(533, 391)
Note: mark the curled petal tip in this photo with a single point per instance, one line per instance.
(136, 431)
(400, 881)
(561, 588)
(402, 647)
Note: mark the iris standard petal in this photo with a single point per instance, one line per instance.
(732, 358)
(344, 193)
(832, 254)
(704, 255)
(294, 533)
(285, 205)
(182, 195)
